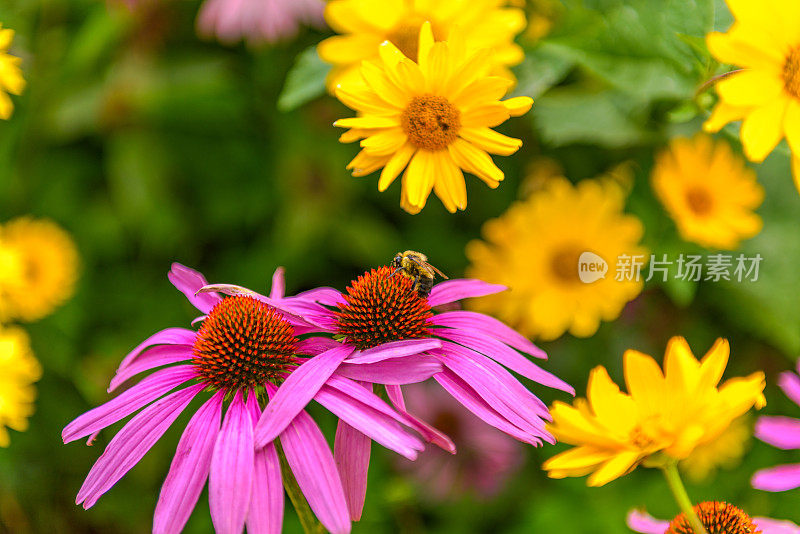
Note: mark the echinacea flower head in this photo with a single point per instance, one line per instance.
(726, 451)
(708, 191)
(365, 24)
(783, 433)
(432, 117)
(765, 94)
(717, 517)
(257, 21)
(241, 357)
(535, 247)
(663, 418)
(11, 80)
(18, 371)
(41, 262)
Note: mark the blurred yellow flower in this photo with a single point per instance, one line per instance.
(18, 371)
(708, 192)
(432, 119)
(365, 24)
(663, 418)
(10, 74)
(725, 451)
(40, 263)
(765, 93)
(534, 249)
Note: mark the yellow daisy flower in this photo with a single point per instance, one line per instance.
(765, 93)
(18, 371)
(663, 418)
(534, 249)
(434, 119)
(365, 24)
(708, 192)
(10, 74)
(45, 272)
(725, 451)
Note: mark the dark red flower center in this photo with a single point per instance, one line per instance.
(380, 308)
(718, 518)
(243, 343)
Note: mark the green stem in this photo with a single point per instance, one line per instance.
(307, 518)
(681, 497)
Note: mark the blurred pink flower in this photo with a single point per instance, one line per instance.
(784, 433)
(640, 521)
(486, 457)
(257, 21)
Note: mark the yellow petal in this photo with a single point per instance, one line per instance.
(395, 165)
(614, 468)
(750, 88)
(346, 16)
(796, 172)
(713, 364)
(762, 129)
(489, 115)
(723, 114)
(389, 91)
(426, 42)
(437, 68)
(681, 369)
(482, 91)
(735, 49)
(491, 141)
(385, 142)
(475, 161)
(420, 176)
(518, 106)
(612, 407)
(577, 458)
(644, 380)
(449, 186)
(367, 122)
(791, 125)
(362, 98)
(343, 49)
(6, 106)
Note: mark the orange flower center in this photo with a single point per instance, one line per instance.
(380, 309)
(699, 200)
(718, 518)
(791, 73)
(564, 265)
(243, 343)
(431, 122)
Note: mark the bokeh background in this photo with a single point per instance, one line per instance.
(151, 145)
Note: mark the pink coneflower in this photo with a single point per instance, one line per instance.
(716, 517)
(393, 336)
(784, 433)
(257, 20)
(244, 351)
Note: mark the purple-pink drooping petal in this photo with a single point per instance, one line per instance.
(230, 479)
(428, 432)
(505, 355)
(132, 442)
(483, 324)
(790, 384)
(351, 450)
(188, 281)
(781, 432)
(775, 526)
(313, 346)
(327, 296)
(312, 463)
(472, 401)
(189, 469)
(266, 502)
(778, 478)
(640, 521)
(143, 393)
(296, 392)
(169, 336)
(150, 359)
(394, 349)
(278, 289)
(397, 371)
(288, 310)
(453, 290)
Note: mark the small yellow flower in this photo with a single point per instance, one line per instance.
(365, 24)
(432, 119)
(10, 74)
(725, 451)
(663, 418)
(18, 371)
(40, 264)
(534, 249)
(708, 192)
(765, 93)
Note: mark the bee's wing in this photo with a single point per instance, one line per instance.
(440, 273)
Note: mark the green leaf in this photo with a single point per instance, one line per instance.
(542, 68)
(305, 82)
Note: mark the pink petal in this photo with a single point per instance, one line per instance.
(170, 336)
(428, 432)
(312, 463)
(266, 502)
(394, 349)
(453, 290)
(278, 289)
(351, 450)
(189, 469)
(188, 281)
(143, 393)
(507, 356)
(316, 345)
(790, 384)
(640, 521)
(230, 479)
(781, 432)
(407, 370)
(483, 324)
(150, 359)
(779, 478)
(323, 295)
(132, 443)
(299, 388)
(774, 526)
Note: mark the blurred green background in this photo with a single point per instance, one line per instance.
(150, 145)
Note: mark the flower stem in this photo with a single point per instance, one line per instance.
(681, 497)
(307, 518)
